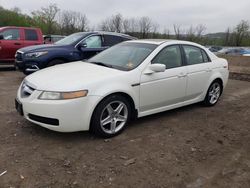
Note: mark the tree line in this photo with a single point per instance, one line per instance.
(52, 20)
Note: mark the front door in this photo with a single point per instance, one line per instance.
(163, 89)
(11, 43)
(93, 45)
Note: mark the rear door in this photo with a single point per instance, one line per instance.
(198, 70)
(31, 37)
(11, 43)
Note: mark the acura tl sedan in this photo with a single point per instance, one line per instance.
(132, 79)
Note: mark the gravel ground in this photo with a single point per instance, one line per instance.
(193, 146)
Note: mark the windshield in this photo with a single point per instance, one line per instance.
(71, 39)
(124, 56)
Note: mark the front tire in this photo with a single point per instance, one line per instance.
(213, 94)
(111, 116)
(55, 62)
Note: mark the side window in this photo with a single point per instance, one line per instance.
(11, 34)
(93, 42)
(205, 56)
(169, 56)
(193, 55)
(30, 34)
(110, 40)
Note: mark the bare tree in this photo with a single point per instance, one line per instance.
(106, 25)
(116, 21)
(166, 33)
(177, 31)
(82, 22)
(241, 31)
(155, 27)
(191, 34)
(113, 23)
(47, 15)
(68, 22)
(200, 30)
(130, 25)
(227, 37)
(145, 25)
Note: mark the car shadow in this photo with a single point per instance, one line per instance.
(86, 135)
(159, 116)
(7, 69)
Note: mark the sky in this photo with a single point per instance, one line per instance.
(216, 15)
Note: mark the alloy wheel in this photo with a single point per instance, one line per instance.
(114, 117)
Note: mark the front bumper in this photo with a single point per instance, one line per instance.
(72, 115)
(28, 67)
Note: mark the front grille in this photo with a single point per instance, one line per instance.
(19, 56)
(45, 120)
(26, 90)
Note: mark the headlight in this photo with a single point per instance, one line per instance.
(35, 54)
(50, 95)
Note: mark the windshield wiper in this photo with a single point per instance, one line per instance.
(102, 64)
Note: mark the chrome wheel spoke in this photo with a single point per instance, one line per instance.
(113, 126)
(110, 109)
(119, 108)
(121, 118)
(106, 121)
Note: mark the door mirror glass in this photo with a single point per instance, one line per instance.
(157, 67)
(1, 37)
(83, 45)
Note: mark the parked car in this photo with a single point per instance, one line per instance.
(75, 47)
(14, 38)
(132, 79)
(50, 39)
(215, 48)
(234, 51)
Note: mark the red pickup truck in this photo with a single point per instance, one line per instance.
(14, 38)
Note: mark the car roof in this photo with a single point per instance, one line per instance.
(14, 27)
(162, 41)
(113, 33)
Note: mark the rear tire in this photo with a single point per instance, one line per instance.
(213, 94)
(111, 116)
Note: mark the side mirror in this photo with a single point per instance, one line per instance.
(82, 45)
(1, 37)
(155, 68)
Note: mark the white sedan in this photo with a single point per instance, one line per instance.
(132, 79)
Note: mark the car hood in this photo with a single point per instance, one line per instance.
(70, 77)
(42, 47)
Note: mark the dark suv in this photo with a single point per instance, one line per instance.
(77, 46)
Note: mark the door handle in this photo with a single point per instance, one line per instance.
(209, 70)
(16, 43)
(182, 75)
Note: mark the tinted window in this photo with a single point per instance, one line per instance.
(169, 56)
(30, 34)
(11, 34)
(193, 55)
(110, 40)
(93, 42)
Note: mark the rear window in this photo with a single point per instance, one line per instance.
(110, 40)
(30, 34)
